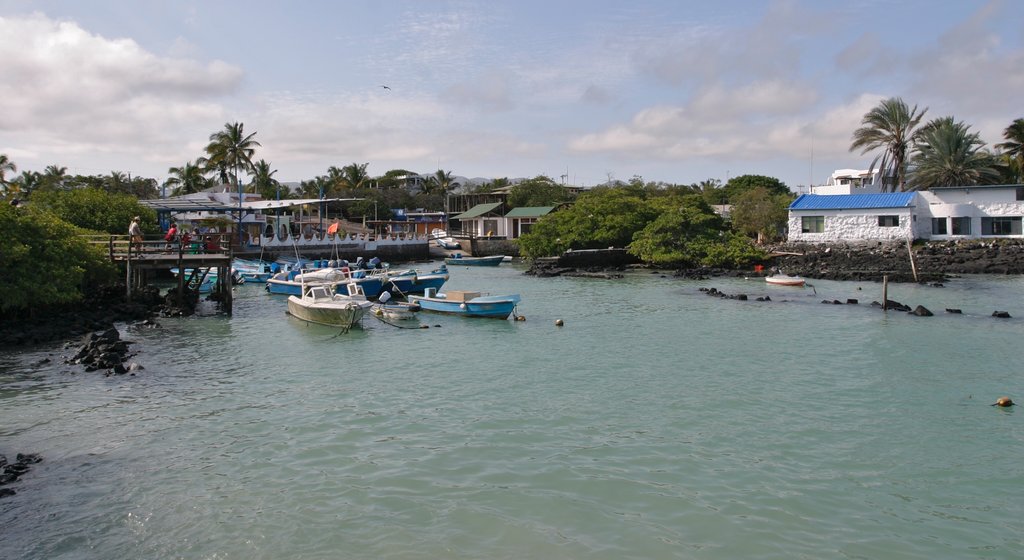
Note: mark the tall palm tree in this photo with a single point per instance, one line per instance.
(890, 126)
(25, 183)
(1014, 145)
(439, 182)
(54, 175)
(187, 179)
(5, 166)
(352, 176)
(263, 181)
(231, 148)
(947, 154)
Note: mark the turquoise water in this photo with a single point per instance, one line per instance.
(657, 423)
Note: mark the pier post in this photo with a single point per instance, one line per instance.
(885, 292)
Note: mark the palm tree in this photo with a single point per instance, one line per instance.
(232, 149)
(263, 180)
(352, 176)
(891, 126)
(186, 179)
(947, 154)
(439, 182)
(1013, 147)
(25, 183)
(5, 166)
(53, 176)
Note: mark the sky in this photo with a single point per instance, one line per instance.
(581, 91)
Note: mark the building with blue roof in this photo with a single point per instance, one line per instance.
(994, 211)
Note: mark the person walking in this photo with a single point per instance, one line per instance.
(135, 233)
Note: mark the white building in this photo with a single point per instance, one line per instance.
(991, 211)
(851, 181)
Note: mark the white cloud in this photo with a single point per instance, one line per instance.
(68, 92)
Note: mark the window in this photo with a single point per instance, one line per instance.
(1020, 193)
(812, 224)
(961, 226)
(938, 226)
(888, 221)
(490, 227)
(1001, 226)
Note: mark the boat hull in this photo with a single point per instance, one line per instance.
(475, 261)
(496, 307)
(372, 287)
(416, 283)
(785, 280)
(343, 314)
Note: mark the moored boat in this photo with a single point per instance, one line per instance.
(467, 304)
(458, 259)
(784, 280)
(407, 282)
(290, 282)
(322, 305)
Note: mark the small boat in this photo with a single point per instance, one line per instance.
(784, 280)
(394, 310)
(320, 304)
(458, 259)
(412, 281)
(467, 304)
(290, 282)
(443, 241)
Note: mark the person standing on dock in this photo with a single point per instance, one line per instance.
(135, 232)
(172, 236)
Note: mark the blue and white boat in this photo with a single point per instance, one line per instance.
(407, 282)
(290, 281)
(467, 304)
(251, 270)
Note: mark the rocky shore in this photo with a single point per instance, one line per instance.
(96, 313)
(933, 261)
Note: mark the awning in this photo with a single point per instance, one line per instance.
(187, 205)
(272, 204)
(477, 211)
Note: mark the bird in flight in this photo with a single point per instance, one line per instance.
(385, 87)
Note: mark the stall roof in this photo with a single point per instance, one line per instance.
(181, 204)
(187, 205)
(529, 211)
(477, 211)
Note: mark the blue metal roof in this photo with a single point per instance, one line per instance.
(853, 201)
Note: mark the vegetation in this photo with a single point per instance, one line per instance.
(539, 191)
(668, 227)
(1013, 150)
(947, 154)
(889, 126)
(46, 260)
(761, 213)
(96, 210)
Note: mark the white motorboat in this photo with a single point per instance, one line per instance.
(320, 304)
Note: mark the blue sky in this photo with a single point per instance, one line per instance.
(671, 91)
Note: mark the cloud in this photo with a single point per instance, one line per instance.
(71, 92)
(969, 70)
(718, 122)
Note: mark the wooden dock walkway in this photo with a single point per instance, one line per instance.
(155, 254)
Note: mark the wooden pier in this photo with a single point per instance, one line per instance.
(157, 255)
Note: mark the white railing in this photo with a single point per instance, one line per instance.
(315, 240)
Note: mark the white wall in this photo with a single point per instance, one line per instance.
(852, 225)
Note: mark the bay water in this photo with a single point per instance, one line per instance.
(658, 422)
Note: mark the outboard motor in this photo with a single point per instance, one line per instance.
(374, 262)
(359, 263)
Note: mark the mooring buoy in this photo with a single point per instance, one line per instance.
(1003, 401)
(558, 323)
